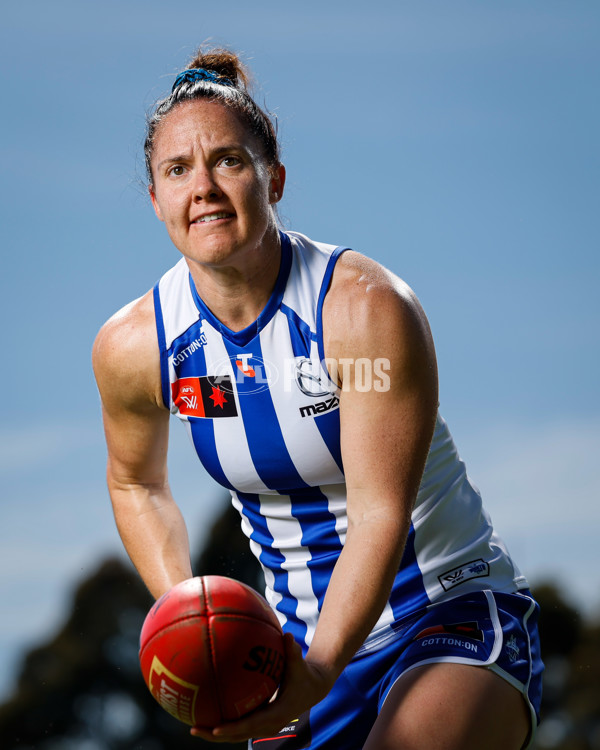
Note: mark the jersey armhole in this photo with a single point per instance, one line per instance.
(333, 259)
(162, 347)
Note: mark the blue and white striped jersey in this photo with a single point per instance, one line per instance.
(262, 413)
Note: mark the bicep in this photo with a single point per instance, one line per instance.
(127, 368)
(389, 397)
(137, 443)
(385, 439)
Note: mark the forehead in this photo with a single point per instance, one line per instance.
(203, 124)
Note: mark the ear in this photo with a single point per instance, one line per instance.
(277, 184)
(155, 205)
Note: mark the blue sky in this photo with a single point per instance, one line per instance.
(455, 142)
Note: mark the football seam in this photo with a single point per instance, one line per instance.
(211, 649)
(208, 618)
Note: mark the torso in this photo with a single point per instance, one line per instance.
(262, 413)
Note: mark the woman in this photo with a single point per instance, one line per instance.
(306, 377)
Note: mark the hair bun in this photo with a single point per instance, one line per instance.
(222, 67)
(224, 63)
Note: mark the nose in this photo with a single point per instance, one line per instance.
(205, 188)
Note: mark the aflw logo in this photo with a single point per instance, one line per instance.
(186, 394)
(190, 401)
(204, 397)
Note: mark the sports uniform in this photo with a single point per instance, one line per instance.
(262, 413)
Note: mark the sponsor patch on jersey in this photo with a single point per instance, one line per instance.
(244, 373)
(245, 369)
(309, 378)
(466, 629)
(320, 407)
(206, 397)
(296, 735)
(473, 569)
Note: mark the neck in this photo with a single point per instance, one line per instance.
(236, 294)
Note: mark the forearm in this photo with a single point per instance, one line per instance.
(153, 533)
(358, 591)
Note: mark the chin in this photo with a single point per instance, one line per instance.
(212, 253)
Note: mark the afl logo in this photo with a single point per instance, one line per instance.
(309, 381)
(250, 373)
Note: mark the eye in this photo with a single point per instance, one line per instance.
(230, 161)
(176, 170)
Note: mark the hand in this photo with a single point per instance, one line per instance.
(303, 686)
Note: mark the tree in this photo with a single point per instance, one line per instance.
(571, 654)
(83, 690)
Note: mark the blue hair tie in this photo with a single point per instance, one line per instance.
(200, 74)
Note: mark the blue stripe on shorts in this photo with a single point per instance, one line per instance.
(484, 628)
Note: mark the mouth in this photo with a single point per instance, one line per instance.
(208, 218)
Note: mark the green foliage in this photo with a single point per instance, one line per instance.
(571, 653)
(83, 690)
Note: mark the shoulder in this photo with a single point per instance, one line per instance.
(368, 306)
(126, 358)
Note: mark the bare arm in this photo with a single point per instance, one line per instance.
(385, 436)
(127, 369)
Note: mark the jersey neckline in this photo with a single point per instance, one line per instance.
(243, 337)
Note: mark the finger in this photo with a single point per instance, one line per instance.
(258, 726)
(291, 648)
(264, 722)
(205, 734)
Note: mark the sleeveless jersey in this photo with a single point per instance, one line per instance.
(262, 414)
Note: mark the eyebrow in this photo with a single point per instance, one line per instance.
(173, 159)
(217, 152)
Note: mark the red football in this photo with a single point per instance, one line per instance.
(211, 650)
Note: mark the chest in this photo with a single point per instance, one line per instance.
(262, 413)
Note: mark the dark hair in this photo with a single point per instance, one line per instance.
(233, 92)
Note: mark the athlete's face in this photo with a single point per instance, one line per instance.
(212, 185)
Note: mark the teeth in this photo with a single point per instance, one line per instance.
(212, 217)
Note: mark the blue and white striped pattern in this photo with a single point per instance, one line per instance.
(280, 456)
